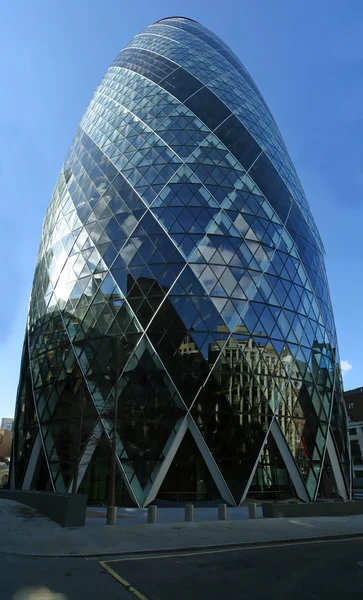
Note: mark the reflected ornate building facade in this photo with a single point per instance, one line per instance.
(180, 272)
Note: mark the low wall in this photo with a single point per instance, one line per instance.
(312, 509)
(68, 510)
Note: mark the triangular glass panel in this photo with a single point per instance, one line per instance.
(95, 482)
(271, 479)
(188, 478)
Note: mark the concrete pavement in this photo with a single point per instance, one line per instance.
(29, 534)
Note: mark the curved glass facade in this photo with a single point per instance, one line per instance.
(180, 272)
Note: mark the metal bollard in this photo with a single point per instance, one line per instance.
(252, 511)
(189, 513)
(111, 515)
(152, 512)
(222, 512)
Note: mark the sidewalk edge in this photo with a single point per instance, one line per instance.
(181, 549)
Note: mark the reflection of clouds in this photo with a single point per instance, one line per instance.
(229, 310)
(210, 275)
(102, 187)
(82, 238)
(38, 593)
(226, 254)
(241, 225)
(58, 266)
(230, 315)
(129, 224)
(206, 249)
(261, 257)
(59, 231)
(208, 279)
(129, 250)
(219, 291)
(66, 280)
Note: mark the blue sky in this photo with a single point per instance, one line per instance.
(306, 58)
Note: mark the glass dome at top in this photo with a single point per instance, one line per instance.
(180, 278)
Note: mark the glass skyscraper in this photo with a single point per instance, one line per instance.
(181, 273)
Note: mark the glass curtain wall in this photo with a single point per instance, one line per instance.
(181, 276)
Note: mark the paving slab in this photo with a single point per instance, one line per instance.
(29, 534)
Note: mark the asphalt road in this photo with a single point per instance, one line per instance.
(57, 579)
(307, 571)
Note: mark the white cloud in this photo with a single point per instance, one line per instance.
(345, 366)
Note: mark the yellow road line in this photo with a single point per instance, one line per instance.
(235, 549)
(123, 581)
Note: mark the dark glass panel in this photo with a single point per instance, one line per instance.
(149, 64)
(181, 84)
(96, 478)
(69, 424)
(149, 408)
(328, 487)
(272, 186)
(271, 480)
(178, 351)
(188, 478)
(208, 107)
(41, 478)
(239, 141)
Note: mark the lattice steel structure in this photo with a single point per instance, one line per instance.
(181, 271)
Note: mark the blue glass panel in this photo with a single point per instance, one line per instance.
(208, 107)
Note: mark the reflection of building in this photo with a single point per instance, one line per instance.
(354, 405)
(180, 270)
